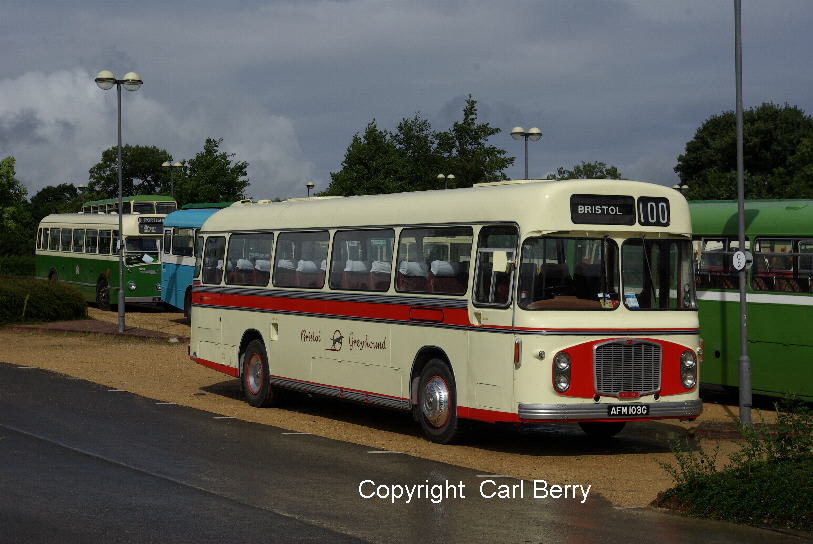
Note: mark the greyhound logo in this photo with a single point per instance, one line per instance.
(336, 341)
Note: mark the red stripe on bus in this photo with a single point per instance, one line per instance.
(231, 371)
(393, 312)
(369, 310)
(489, 416)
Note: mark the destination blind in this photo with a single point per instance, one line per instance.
(602, 209)
(150, 225)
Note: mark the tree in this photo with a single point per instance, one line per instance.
(211, 176)
(16, 223)
(588, 170)
(410, 159)
(141, 172)
(778, 155)
(468, 155)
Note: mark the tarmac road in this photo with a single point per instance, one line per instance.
(82, 463)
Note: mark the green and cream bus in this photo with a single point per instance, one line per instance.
(779, 296)
(82, 249)
(519, 302)
(144, 204)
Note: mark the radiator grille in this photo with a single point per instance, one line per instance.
(623, 366)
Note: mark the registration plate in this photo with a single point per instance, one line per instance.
(627, 410)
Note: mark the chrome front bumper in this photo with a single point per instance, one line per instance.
(563, 412)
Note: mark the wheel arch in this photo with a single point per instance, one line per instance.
(422, 358)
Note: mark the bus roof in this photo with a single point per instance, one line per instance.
(762, 217)
(92, 220)
(537, 205)
(189, 218)
(134, 198)
(202, 205)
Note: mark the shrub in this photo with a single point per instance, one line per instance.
(24, 300)
(768, 481)
(17, 265)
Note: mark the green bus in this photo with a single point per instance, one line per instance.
(144, 204)
(779, 233)
(82, 249)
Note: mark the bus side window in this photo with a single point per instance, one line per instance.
(362, 260)
(496, 254)
(92, 241)
(67, 235)
(104, 242)
(183, 241)
(79, 240)
(301, 259)
(53, 244)
(249, 259)
(213, 254)
(167, 241)
(434, 260)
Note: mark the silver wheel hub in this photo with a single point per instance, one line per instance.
(254, 372)
(435, 404)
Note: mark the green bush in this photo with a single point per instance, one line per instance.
(768, 481)
(24, 300)
(17, 265)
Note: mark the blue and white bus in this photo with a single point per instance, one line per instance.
(178, 259)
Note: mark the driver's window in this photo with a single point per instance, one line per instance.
(496, 256)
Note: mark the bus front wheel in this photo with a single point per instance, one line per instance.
(599, 429)
(255, 377)
(103, 294)
(437, 403)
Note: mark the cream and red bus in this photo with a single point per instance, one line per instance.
(519, 302)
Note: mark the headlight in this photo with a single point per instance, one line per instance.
(562, 383)
(158, 287)
(688, 369)
(562, 361)
(131, 285)
(561, 372)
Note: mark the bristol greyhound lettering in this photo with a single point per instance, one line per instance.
(600, 209)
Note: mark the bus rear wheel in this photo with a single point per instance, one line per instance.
(600, 429)
(255, 376)
(103, 294)
(437, 403)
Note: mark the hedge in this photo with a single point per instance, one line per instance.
(17, 265)
(26, 300)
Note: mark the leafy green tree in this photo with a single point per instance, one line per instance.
(62, 198)
(778, 155)
(211, 176)
(411, 157)
(467, 153)
(141, 172)
(372, 165)
(588, 170)
(16, 224)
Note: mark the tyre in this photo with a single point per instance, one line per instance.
(255, 377)
(187, 305)
(103, 294)
(437, 403)
(598, 429)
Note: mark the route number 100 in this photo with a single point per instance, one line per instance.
(653, 211)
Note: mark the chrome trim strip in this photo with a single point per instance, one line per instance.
(562, 412)
(434, 302)
(339, 392)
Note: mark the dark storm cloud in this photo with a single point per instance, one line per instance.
(287, 83)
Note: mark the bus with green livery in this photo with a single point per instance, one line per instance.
(82, 249)
(143, 204)
(779, 233)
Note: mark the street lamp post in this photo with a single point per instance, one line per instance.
(131, 82)
(172, 166)
(534, 134)
(310, 185)
(446, 179)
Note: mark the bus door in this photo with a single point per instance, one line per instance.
(491, 343)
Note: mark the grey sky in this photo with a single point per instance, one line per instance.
(287, 83)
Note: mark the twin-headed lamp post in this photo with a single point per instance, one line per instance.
(172, 166)
(105, 80)
(310, 185)
(534, 134)
(446, 179)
